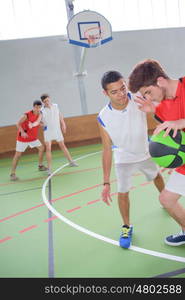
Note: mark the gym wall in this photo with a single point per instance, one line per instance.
(30, 67)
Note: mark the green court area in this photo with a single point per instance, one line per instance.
(76, 195)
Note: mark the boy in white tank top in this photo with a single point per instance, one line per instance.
(121, 126)
(53, 122)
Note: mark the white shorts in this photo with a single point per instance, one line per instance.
(176, 183)
(53, 136)
(21, 146)
(124, 173)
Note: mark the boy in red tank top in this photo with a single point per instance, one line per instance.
(165, 97)
(27, 136)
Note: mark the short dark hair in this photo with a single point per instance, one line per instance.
(37, 102)
(145, 73)
(44, 96)
(109, 77)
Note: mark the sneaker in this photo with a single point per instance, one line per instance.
(13, 177)
(126, 236)
(72, 164)
(49, 171)
(175, 239)
(42, 168)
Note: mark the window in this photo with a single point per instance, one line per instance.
(35, 18)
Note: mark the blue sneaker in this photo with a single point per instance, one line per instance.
(126, 236)
(176, 239)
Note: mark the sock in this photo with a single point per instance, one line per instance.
(125, 225)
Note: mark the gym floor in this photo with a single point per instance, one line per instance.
(27, 239)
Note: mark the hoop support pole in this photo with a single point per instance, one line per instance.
(82, 61)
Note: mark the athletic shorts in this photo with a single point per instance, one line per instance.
(176, 183)
(21, 146)
(124, 173)
(53, 136)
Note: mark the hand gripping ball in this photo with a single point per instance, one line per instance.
(168, 152)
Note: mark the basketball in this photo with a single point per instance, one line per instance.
(168, 152)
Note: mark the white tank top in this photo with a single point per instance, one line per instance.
(128, 131)
(51, 118)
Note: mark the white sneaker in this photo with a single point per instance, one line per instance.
(49, 172)
(73, 164)
(13, 177)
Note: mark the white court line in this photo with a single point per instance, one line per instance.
(93, 234)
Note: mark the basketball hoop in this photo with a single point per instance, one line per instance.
(89, 29)
(93, 36)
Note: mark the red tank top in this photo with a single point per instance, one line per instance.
(31, 132)
(173, 109)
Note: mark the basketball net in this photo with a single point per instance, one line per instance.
(93, 36)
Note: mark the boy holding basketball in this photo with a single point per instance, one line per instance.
(121, 125)
(165, 97)
(27, 136)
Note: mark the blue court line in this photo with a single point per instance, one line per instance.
(51, 273)
(21, 191)
(170, 274)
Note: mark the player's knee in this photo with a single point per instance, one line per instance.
(48, 148)
(164, 200)
(123, 196)
(158, 176)
(18, 154)
(62, 145)
(41, 148)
